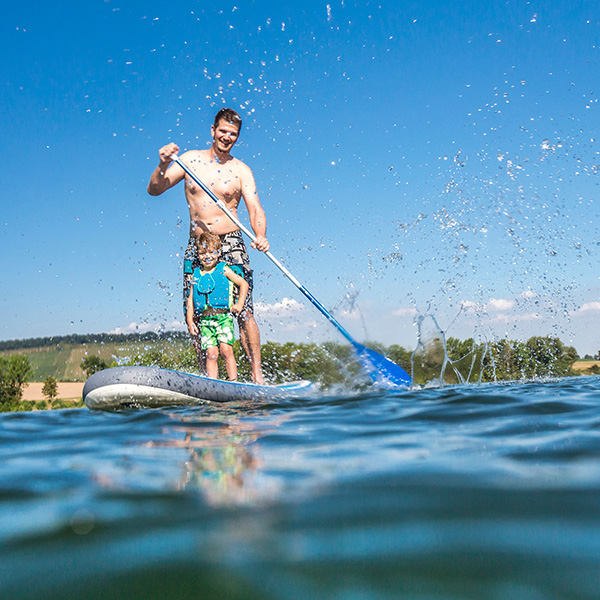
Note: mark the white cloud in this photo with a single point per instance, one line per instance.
(516, 318)
(527, 295)
(588, 307)
(287, 308)
(135, 327)
(500, 304)
(280, 319)
(404, 312)
(469, 305)
(349, 315)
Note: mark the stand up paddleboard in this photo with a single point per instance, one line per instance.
(153, 387)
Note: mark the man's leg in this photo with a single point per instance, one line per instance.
(250, 341)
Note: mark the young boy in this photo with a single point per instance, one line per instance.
(210, 305)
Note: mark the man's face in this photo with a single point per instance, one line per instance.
(224, 135)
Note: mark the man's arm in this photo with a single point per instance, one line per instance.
(258, 218)
(166, 175)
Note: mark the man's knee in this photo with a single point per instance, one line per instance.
(246, 318)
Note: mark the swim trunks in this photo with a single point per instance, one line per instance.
(216, 329)
(233, 251)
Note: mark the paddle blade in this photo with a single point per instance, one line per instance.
(380, 368)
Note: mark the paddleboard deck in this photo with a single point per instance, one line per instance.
(154, 387)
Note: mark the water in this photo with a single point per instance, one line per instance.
(475, 491)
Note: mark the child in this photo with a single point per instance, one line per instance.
(210, 305)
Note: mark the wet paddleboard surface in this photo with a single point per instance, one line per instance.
(154, 387)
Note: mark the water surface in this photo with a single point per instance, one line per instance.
(476, 491)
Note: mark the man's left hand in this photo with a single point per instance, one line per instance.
(261, 243)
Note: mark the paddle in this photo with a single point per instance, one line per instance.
(379, 368)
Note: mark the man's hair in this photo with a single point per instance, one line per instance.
(229, 115)
(208, 239)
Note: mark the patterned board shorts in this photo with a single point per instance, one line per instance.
(233, 251)
(216, 329)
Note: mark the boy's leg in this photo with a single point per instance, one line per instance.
(212, 366)
(229, 359)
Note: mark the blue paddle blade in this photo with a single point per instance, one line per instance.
(381, 369)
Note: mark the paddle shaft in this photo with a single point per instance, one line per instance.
(276, 262)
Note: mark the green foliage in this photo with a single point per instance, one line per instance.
(50, 388)
(15, 371)
(538, 357)
(400, 356)
(168, 357)
(93, 364)
(464, 360)
(62, 404)
(444, 360)
(290, 361)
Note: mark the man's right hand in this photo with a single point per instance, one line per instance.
(166, 152)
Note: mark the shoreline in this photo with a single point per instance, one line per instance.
(71, 390)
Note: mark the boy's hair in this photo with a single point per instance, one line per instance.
(208, 239)
(229, 115)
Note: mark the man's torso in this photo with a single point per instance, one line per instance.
(224, 180)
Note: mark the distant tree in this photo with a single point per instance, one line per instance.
(538, 357)
(400, 356)
(50, 388)
(465, 360)
(154, 357)
(15, 371)
(93, 364)
(597, 355)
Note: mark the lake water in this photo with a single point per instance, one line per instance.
(476, 491)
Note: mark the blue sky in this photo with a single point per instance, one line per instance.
(414, 158)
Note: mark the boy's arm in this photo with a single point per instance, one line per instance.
(192, 328)
(238, 280)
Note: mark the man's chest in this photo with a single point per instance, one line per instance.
(222, 181)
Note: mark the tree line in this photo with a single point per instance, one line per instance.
(447, 361)
(90, 338)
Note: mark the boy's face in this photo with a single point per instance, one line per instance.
(208, 256)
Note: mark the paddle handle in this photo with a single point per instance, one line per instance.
(251, 235)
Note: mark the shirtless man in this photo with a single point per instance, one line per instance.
(230, 180)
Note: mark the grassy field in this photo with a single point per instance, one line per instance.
(583, 365)
(63, 361)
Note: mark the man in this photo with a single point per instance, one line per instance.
(230, 180)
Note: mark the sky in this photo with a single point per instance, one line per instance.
(423, 165)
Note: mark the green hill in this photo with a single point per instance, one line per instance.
(61, 356)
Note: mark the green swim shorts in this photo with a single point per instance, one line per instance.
(215, 329)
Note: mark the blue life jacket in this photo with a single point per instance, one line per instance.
(212, 288)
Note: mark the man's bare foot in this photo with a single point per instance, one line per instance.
(258, 378)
